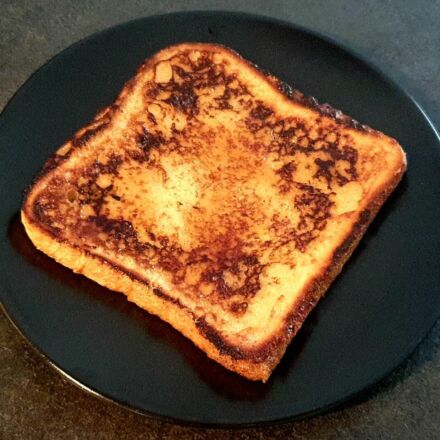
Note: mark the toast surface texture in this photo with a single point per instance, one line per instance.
(216, 197)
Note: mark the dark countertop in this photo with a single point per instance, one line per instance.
(403, 39)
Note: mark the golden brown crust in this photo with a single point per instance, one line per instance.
(115, 278)
(100, 121)
(254, 362)
(256, 365)
(318, 287)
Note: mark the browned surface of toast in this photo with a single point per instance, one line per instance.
(215, 197)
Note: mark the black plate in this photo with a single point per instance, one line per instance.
(374, 314)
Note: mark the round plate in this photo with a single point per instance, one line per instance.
(375, 313)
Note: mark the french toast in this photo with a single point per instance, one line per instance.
(216, 197)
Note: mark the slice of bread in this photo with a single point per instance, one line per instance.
(216, 197)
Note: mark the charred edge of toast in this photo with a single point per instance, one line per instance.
(324, 109)
(318, 287)
(78, 140)
(135, 277)
(272, 350)
(297, 96)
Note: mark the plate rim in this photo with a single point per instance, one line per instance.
(326, 38)
(333, 406)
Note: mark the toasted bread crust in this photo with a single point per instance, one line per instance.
(258, 361)
(256, 364)
(156, 302)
